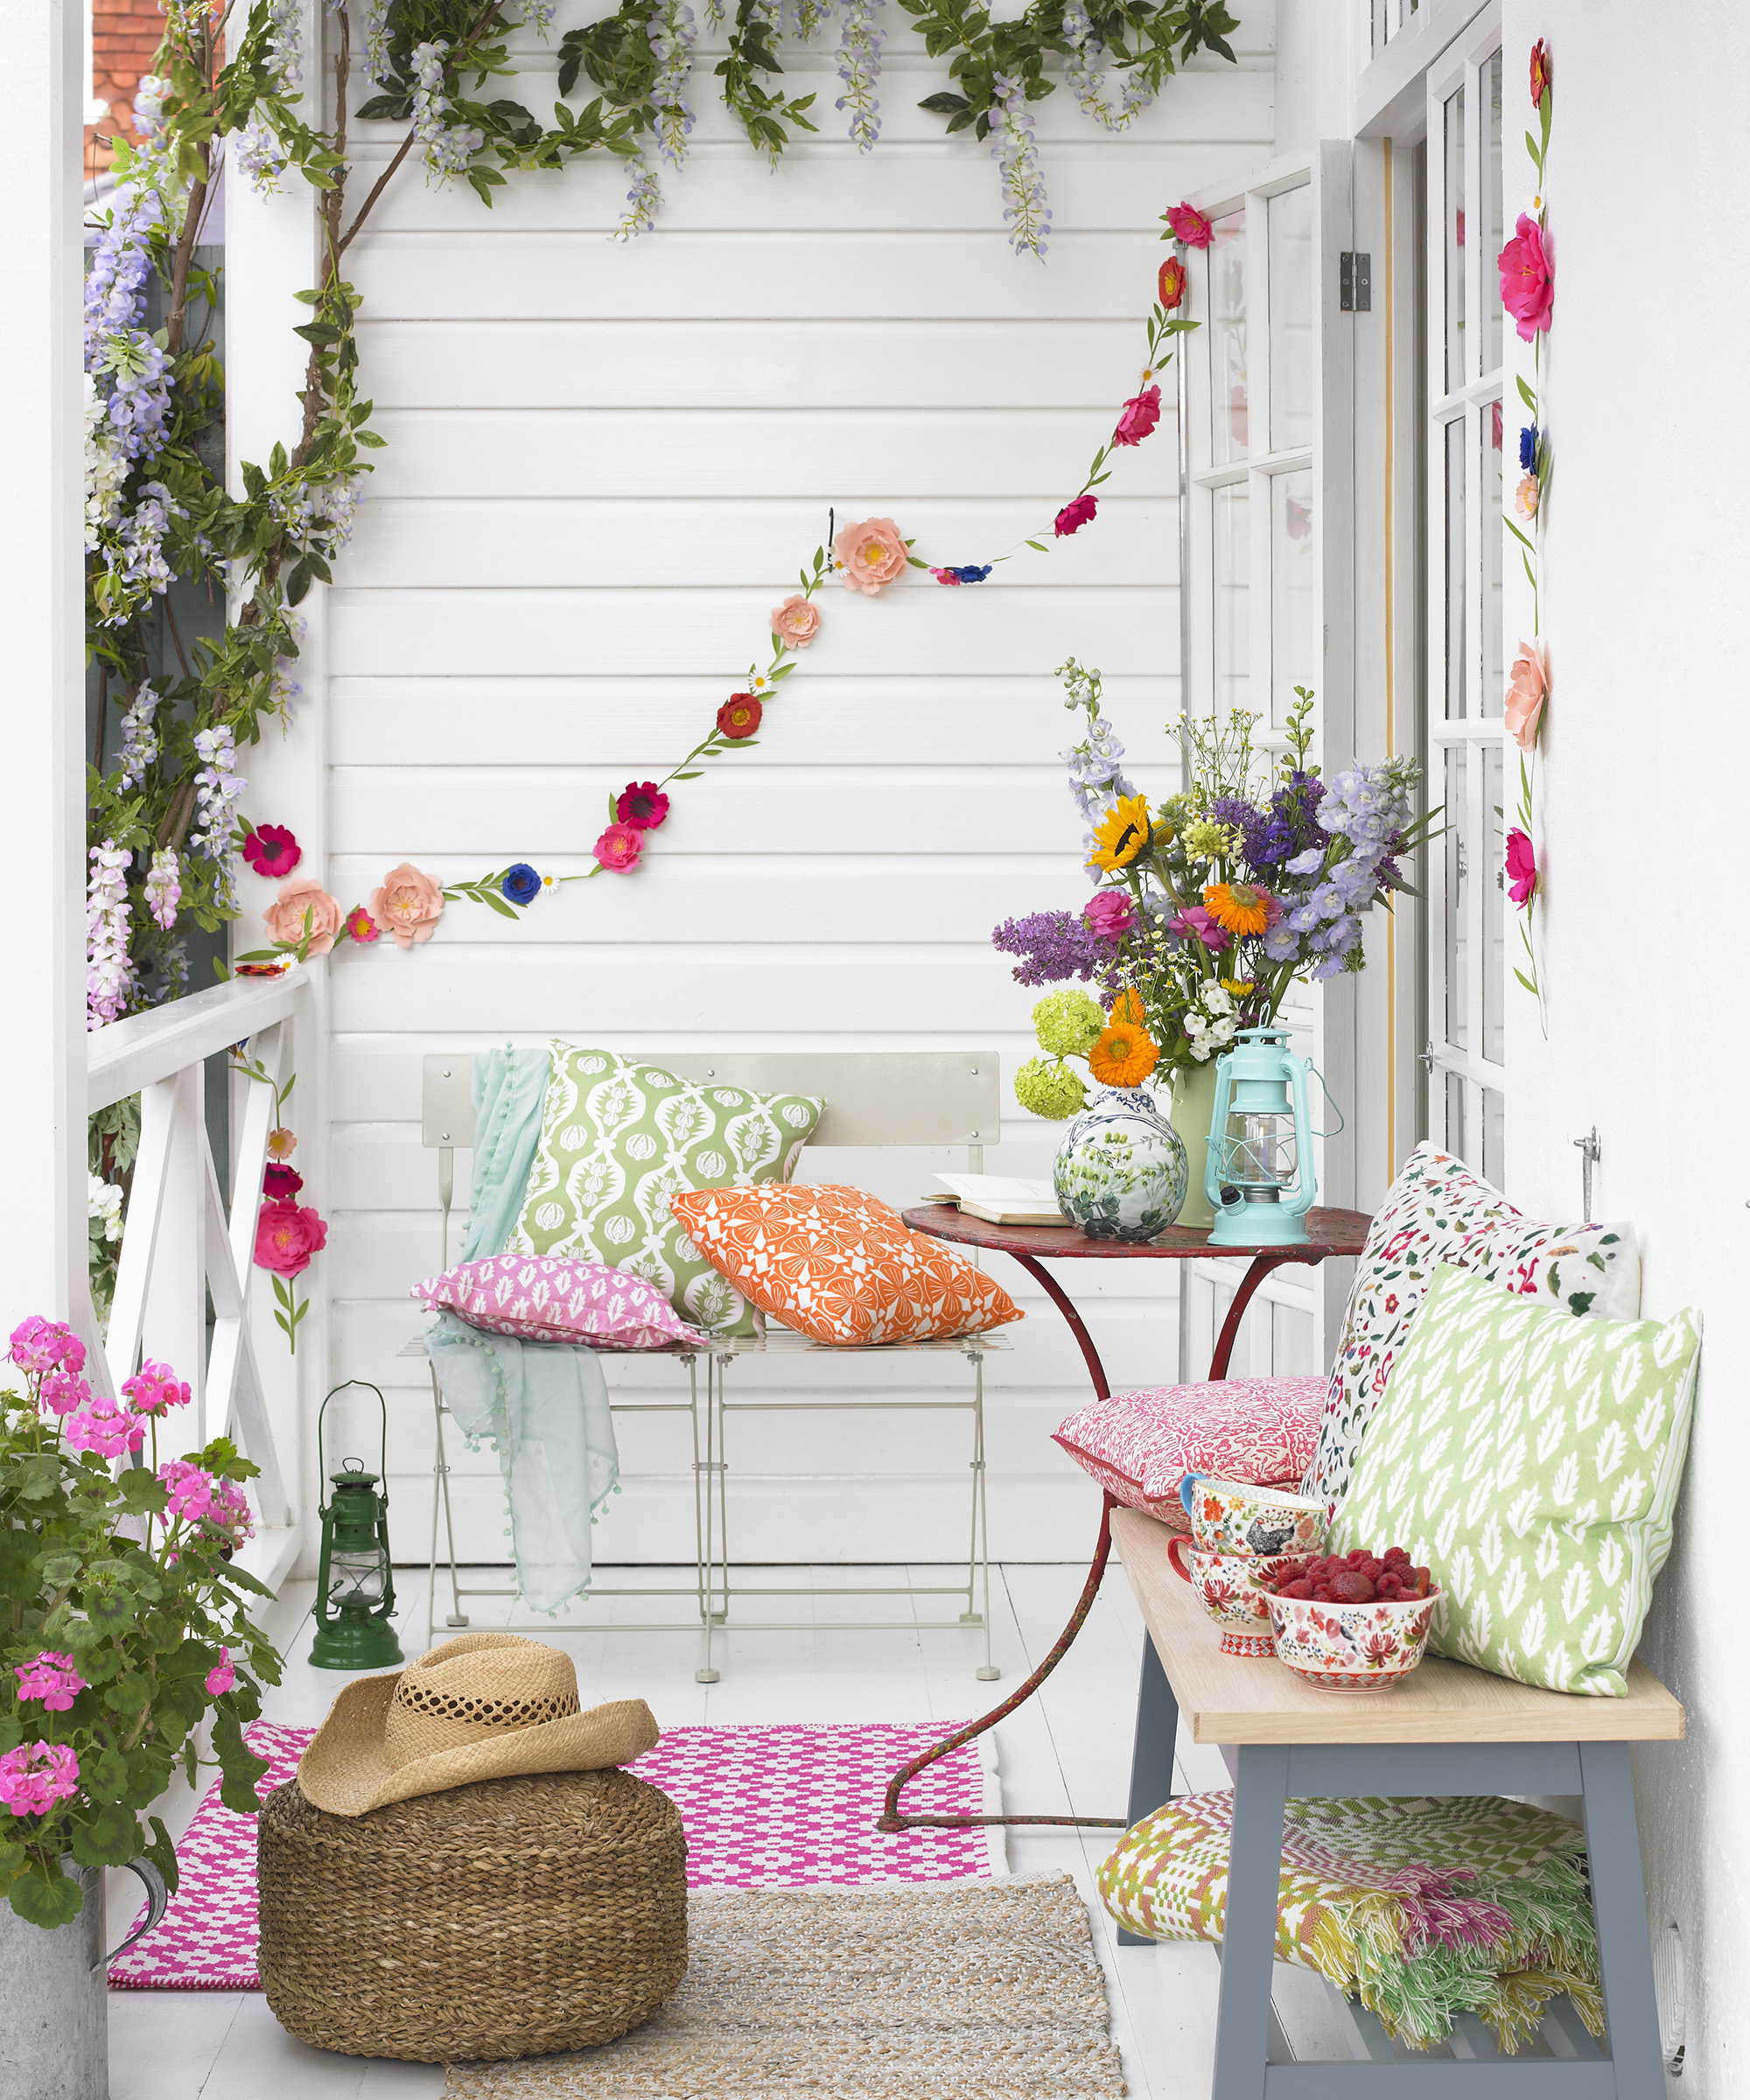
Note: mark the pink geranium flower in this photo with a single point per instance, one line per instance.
(50, 1678)
(154, 1389)
(60, 1392)
(873, 555)
(40, 1345)
(642, 805)
(222, 1676)
(1073, 515)
(1189, 224)
(271, 850)
(103, 1426)
(1527, 286)
(231, 1511)
(190, 1487)
(1109, 913)
(1139, 416)
(1522, 867)
(287, 1234)
(619, 847)
(35, 1775)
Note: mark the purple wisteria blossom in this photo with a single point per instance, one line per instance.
(859, 68)
(1015, 149)
(109, 974)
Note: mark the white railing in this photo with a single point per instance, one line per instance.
(178, 1248)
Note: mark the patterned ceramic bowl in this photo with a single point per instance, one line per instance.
(1351, 1646)
(1230, 1516)
(1229, 1587)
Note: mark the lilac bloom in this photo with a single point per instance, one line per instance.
(1052, 946)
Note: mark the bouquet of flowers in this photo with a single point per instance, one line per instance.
(1208, 909)
(124, 1620)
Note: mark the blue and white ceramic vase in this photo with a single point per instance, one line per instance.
(1121, 1173)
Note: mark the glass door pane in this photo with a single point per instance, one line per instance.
(1492, 202)
(1493, 878)
(1494, 545)
(1452, 219)
(1457, 655)
(1291, 319)
(1228, 434)
(1457, 935)
(1232, 551)
(1293, 613)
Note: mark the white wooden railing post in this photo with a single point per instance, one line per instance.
(174, 1330)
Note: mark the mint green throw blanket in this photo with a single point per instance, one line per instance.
(544, 1404)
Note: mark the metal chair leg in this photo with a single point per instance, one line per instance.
(440, 1492)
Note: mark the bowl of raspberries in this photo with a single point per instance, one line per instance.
(1351, 1621)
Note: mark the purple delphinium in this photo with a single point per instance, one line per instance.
(1053, 946)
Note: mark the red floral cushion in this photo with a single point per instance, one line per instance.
(1141, 1445)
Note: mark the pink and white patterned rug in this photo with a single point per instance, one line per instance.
(781, 1807)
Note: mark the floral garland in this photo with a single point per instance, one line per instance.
(1528, 292)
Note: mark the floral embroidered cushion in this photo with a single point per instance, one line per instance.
(1532, 1462)
(555, 1297)
(1438, 1211)
(1141, 1445)
(838, 1265)
(618, 1138)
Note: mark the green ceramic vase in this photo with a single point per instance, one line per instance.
(1193, 1103)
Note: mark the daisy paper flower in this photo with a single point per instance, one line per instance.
(1121, 834)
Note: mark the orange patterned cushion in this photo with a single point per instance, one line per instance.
(836, 1264)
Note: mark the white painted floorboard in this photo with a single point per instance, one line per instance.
(1067, 1752)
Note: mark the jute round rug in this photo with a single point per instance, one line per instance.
(980, 1990)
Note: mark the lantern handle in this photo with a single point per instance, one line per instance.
(1326, 1091)
(382, 1462)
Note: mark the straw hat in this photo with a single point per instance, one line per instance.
(482, 1706)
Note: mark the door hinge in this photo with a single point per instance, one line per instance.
(1355, 281)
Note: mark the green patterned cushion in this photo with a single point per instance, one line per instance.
(1532, 1461)
(618, 1138)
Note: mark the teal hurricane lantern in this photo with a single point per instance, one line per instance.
(354, 1577)
(1257, 1173)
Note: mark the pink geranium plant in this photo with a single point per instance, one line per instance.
(123, 1624)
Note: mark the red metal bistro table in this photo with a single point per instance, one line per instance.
(1328, 1232)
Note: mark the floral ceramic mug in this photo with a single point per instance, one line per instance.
(1229, 1588)
(1232, 1517)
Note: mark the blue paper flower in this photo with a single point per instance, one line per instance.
(970, 573)
(522, 884)
(1528, 449)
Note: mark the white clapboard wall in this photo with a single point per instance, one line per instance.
(605, 464)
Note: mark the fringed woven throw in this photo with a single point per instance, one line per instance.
(1421, 1909)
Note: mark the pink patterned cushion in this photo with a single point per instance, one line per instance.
(556, 1297)
(1141, 1445)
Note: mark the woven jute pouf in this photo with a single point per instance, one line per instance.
(505, 1918)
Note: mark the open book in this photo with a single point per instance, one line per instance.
(1003, 1199)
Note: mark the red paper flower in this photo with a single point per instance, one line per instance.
(271, 850)
(360, 926)
(287, 1234)
(1522, 867)
(1137, 417)
(618, 847)
(1540, 74)
(1073, 515)
(1189, 224)
(282, 1182)
(739, 716)
(643, 804)
(1528, 285)
(1171, 283)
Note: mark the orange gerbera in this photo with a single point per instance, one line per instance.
(1121, 834)
(1123, 1056)
(1240, 907)
(1127, 1011)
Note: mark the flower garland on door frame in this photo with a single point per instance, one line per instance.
(1528, 292)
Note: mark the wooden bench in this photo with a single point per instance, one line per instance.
(1448, 1729)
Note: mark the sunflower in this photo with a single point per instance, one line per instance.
(1123, 1056)
(1121, 834)
(1240, 907)
(1127, 1012)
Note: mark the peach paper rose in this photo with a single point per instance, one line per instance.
(1525, 690)
(796, 622)
(409, 905)
(873, 554)
(284, 917)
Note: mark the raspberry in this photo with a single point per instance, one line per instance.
(1321, 1595)
(1396, 1556)
(1357, 1556)
(1372, 1569)
(1388, 1586)
(1302, 1588)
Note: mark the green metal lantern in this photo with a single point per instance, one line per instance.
(355, 1578)
(1258, 1170)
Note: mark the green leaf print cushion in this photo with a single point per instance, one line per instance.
(618, 1137)
(1531, 1460)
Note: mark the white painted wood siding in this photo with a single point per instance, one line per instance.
(605, 464)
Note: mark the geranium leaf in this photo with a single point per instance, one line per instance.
(48, 1902)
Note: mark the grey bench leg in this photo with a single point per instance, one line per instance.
(1151, 1754)
(1242, 2016)
(1619, 1905)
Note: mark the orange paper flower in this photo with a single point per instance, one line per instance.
(1240, 907)
(1123, 1057)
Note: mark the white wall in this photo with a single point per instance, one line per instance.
(605, 464)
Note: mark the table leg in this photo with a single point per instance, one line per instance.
(1151, 1754)
(1242, 2015)
(1619, 1905)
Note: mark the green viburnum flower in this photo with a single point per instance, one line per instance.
(1067, 1024)
(1207, 841)
(1048, 1088)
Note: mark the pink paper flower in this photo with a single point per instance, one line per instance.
(1074, 514)
(304, 898)
(35, 1775)
(796, 621)
(1527, 683)
(1525, 497)
(271, 850)
(945, 576)
(1139, 416)
(360, 927)
(643, 804)
(103, 1426)
(281, 1142)
(1527, 286)
(409, 903)
(154, 1389)
(50, 1678)
(873, 554)
(279, 1181)
(222, 1676)
(1189, 224)
(60, 1392)
(1109, 913)
(619, 847)
(190, 1488)
(1522, 866)
(40, 1345)
(287, 1234)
